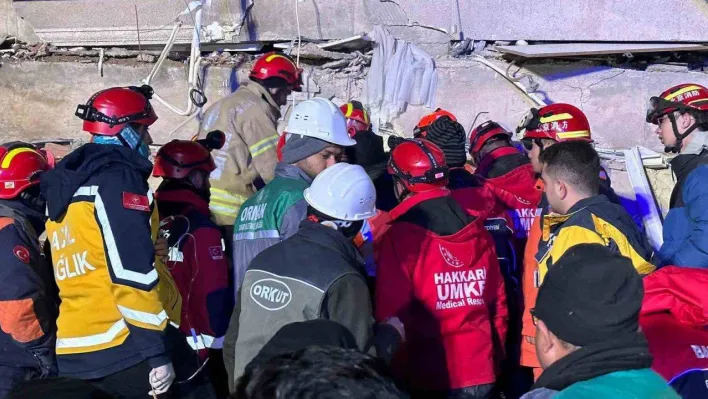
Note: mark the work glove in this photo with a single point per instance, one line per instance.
(161, 378)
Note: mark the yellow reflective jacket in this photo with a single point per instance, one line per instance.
(594, 220)
(116, 298)
(249, 119)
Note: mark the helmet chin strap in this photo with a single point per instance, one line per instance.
(676, 148)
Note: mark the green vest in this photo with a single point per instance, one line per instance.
(262, 215)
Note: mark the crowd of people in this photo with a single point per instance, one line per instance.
(322, 264)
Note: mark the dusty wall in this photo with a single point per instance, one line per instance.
(39, 98)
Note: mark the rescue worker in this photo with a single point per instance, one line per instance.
(580, 214)
(196, 259)
(315, 274)
(249, 119)
(28, 303)
(540, 129)
(368, 152)
(674, 320)
(117, 299)
(681, 116)
(588, 339)
(316, 132)
(507, 172)
(439, 274)
(421, 129)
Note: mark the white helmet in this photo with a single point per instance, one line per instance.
(344, 192)
(321, 119)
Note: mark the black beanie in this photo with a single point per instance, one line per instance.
(450, 137)
(590, 295)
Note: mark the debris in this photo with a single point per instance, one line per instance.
(142, 57)
(117, 52)
(313, 52)
(522, 43)
(214, 32)
(336, 64)
(461, 48)
(358, 42)
(583, 49)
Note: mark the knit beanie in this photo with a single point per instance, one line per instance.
(590, 295)
(298, 147)
(450, 137)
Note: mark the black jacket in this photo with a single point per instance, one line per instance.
(316, 274)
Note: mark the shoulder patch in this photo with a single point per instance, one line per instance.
(136, 202)
(22, 253)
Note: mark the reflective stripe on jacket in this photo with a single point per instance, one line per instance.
(116, 298)
(248, 118)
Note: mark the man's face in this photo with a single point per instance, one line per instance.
(280, 95)
(315, 164)
(665, 131)
(533, 155)
(555, 191)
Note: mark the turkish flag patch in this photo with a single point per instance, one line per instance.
(216, 253)
(136, 202)
(22, 253)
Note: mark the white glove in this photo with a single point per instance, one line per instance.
(161, 379)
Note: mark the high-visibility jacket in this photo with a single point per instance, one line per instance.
(248, 118)
(116, 297)
(530, 280)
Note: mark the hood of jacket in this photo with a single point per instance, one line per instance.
(679, 291)
(289, 171)
(59, 184)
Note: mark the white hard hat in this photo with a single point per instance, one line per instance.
(344, 192)
(321, 119)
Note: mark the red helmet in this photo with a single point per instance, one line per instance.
(108, 111)
(422, 126)
(20, 167)
(485, 132)
(357, 118)
(178, 158)
(273, 65)
(420, 164)
(558, 122)
(688, 97)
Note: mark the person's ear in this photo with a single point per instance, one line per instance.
(685, 121)
(561, 189)
(544, 339)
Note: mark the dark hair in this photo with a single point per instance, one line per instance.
(575, 162)
(318, 372)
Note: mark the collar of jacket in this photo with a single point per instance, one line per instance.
(416, 199)
(621, 354)
(25, 216)
(553, 219)
(683, 164)
(59, 184)
(492, 157)
(261, 92)
(320, 235)
(183, 196)
(290, 171)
